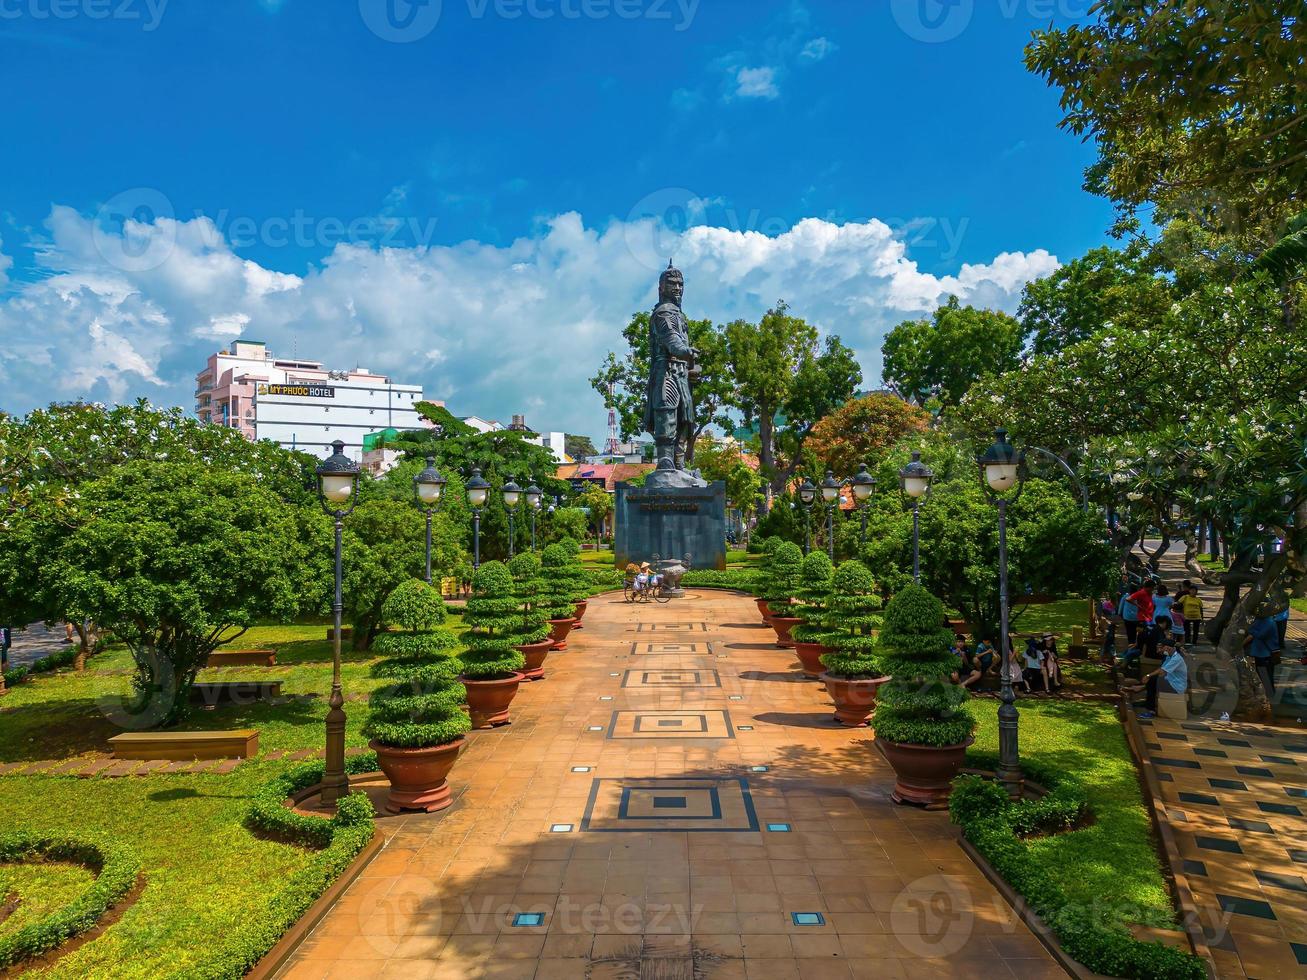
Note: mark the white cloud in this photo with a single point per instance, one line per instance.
(817, 49)
(756, 83)
(5, 264)
(491, 329)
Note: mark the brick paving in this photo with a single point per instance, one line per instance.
(1235, 797)
(671, 802)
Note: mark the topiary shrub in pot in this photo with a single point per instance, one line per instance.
(555, 596)
(578, 579)
(815, 572)
(853, 675)
(536, 643)
(922, 724)
(492, 662)
(780, 586)
(417, 724)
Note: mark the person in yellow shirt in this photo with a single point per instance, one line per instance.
(1191, 607)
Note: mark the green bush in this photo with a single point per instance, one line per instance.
(556, 583)
(338, 841)
(757, 544)
(495, 626)
(815, 574)
(527, 586)
(921, 705)
(996, 827)
(850, 618)
(421, 709)
(740, 579)
(60, 658)
(781, 575)
(116, 870)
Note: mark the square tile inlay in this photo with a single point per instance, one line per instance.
(808, 918)
(671, 804)
(671, 628)
(671, 649)
(1219, 844)
(671, 678)
(1245, 906)
(670, 724)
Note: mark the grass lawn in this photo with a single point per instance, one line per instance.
(1113, 864)
(1299, 604)
(205, 873)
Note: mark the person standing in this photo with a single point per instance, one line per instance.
(1191, 604)
(1263, 642)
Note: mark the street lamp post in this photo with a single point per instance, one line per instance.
(338, 477)
(533, 498)
(427, 488)
(914, 482)
(512, 496)
(807, 496)
(830, 496)
(1002, 467)
(864, 487)
(477, 492)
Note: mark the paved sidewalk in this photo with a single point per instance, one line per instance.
(671, 802)
(1235, 797)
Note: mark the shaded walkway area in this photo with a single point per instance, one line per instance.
(672, 802)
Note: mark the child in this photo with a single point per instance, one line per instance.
(1052, 665)
(1033, 664)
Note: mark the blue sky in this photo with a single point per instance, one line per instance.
(477, 201)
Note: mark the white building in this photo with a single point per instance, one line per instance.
(298, 403)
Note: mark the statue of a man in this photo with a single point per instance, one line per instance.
(669, 402)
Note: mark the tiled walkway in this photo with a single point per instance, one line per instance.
(671, 803)
(1235, 797)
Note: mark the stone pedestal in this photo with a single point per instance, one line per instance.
(671, 522)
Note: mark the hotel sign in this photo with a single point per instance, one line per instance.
(299, 391)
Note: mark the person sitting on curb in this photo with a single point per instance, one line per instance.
(1052, 663)
(1033, 665)
(1170, 678)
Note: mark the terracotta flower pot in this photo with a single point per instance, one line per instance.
(488, 701)
(764, 610)
(925, 773)
(855, 700)
(810, 657)
(579, 614)
(782, 625)
(418, 777)
(535, 659)
(558, 630)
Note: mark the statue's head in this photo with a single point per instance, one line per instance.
(671, 285)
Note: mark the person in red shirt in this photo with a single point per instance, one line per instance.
(1143, 600)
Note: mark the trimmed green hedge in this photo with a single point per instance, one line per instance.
(63, 658)
(117, 870)
(995, 826)
(338, 841)
(739, 579)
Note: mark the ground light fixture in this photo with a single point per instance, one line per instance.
(338, 478)
(427, 489)
(1002, 469)
(914, 483)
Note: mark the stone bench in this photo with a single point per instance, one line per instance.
(242, 658)
(243, 743)
(235, 692)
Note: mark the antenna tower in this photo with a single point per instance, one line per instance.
(611, 447)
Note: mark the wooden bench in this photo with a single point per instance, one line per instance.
(235, 692)
(242, 658)
(243, 743)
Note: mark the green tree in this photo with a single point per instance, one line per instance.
(724, 461)
(421, 706)
(598, 502)
(944, 356)
(177, 559)
(630, 374)
(1196, 109)
(862, 430)
(495, 626)
(579, 447)
(383, 547)
(767, 357)
(823, 383)
(852, 615)
(1106, 287)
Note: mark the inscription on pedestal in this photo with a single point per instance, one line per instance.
(672, 522)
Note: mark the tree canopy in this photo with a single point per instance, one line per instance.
(943, 356)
